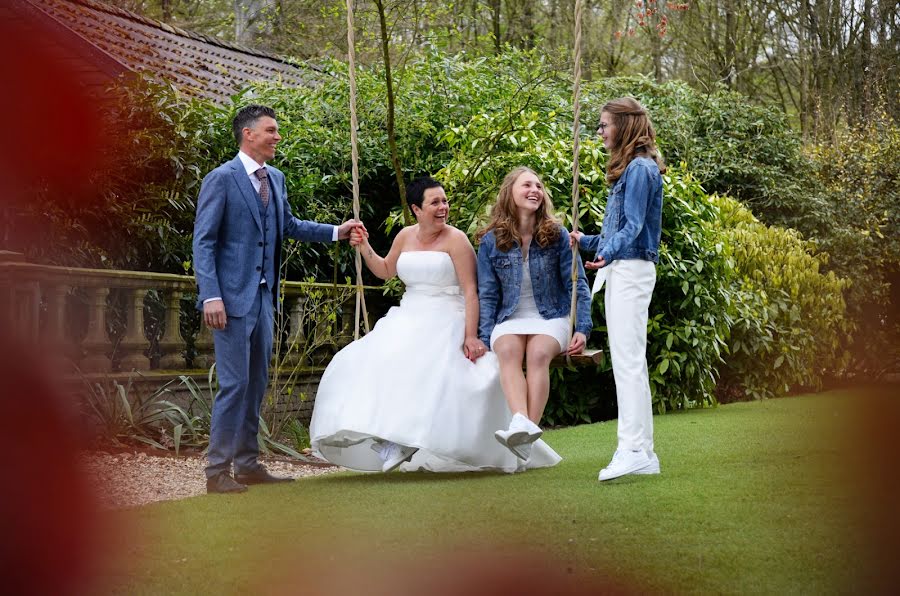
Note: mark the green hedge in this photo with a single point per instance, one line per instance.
(789, 318)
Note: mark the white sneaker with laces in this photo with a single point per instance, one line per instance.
(652, 467)
(521, 434)
(394, 455)
(625, 462)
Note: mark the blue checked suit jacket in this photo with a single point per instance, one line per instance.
(228, 236)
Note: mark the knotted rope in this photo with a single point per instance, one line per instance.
(354, 158)
(576, 147)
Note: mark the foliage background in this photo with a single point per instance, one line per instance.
(743, 307)
(823, 63)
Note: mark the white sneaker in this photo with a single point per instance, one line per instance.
(523, 451)
(521, 434)
(394, 455)
(625, 462)
(652, 467)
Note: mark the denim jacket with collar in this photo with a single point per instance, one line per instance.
(632, 223)
(500, 283)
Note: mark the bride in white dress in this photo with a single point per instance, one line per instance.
(420, 391)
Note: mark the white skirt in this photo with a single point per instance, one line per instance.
(558, 329)
(526, 319)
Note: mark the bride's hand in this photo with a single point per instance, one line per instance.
(474, 348)
(357, 235)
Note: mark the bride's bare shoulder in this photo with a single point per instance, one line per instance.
(403, 237)
(459, 237)
(455, 234)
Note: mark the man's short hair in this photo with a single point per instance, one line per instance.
(246, 117)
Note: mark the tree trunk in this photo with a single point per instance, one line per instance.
(495, 24)
(656, 47)
(392, 139)
(864, 72)
(805, 30)
(614, 20)
(730, 44)
(527, 35)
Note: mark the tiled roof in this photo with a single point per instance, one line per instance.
(109, 40)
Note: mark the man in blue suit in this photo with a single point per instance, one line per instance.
(242, 217)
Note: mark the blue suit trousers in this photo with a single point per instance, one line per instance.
(243, 351)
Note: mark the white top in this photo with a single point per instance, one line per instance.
(527, 307)
(251, 166)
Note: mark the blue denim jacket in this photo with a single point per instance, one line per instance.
(632, 223)
(500, 282)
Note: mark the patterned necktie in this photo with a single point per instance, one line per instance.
(263, 186)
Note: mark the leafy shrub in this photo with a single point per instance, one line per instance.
(697, 301)
(579, 396)
(142, 210)
(689, 313)
(789, 321)
(859, 175)
(121, 415)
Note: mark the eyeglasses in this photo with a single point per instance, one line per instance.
(603, 126)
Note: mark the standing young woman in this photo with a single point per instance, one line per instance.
(524, 287)
(627, 250)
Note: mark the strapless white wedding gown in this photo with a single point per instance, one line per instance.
(407, 381)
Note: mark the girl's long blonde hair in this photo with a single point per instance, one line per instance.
(634, 136)
(505, 219)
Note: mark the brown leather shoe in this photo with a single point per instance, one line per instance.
(260, 476)
(224, 483)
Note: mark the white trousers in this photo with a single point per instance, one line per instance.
(629, 287)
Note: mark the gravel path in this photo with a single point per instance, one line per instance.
(133, 478)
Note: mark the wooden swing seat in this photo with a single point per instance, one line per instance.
(590, 357)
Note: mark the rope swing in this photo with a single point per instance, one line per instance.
(576, 147)
(588, 357)
(354, 159)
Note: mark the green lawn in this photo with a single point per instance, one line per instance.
(754, 497)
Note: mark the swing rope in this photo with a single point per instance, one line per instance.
(354, 158)
(576, 144)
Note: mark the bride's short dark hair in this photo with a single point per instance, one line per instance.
(415, 192)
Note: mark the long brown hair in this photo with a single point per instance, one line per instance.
(505, 219)
(634, 136)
